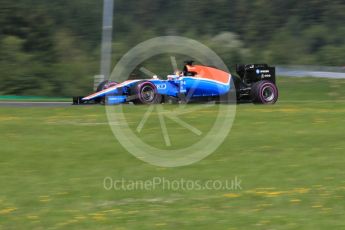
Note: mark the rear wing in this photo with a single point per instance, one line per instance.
(256, 72)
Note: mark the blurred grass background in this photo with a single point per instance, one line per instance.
(290, 158)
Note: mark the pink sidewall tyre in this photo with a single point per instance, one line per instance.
(264, 92)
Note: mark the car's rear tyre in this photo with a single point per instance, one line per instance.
(146, 93)
(264, 92)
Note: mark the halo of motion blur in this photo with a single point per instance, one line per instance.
(209, 140)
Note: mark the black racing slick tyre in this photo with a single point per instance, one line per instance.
(264, 92)
(146, 93)
(103, 85)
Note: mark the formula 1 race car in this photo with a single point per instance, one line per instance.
(255, 83)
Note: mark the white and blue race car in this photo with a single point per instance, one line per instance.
(256, 83)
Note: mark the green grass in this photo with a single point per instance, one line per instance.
(290, 158)
(34, 98)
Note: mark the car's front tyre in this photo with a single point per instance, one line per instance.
(104, 85)
(146, 93)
